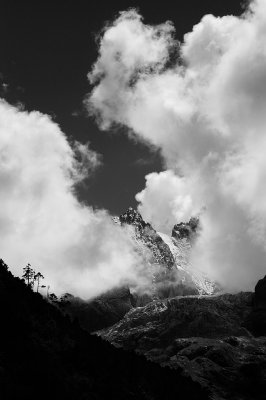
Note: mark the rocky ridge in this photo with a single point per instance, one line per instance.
(207, 338)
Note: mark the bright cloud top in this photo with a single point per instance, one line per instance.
(77, 249)
(165, 200)
(207, 115)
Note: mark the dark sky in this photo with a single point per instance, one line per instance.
(47, 49)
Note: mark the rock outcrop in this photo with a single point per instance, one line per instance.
(159, 323)
(187, 230)
(205, 338)
(256, 321)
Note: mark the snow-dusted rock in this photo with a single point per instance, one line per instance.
(168, 257)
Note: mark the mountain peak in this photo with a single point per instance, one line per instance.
(132, 216)
(186, 230)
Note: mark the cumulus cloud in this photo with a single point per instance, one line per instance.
(206, 113)
(165, 199)
(76, 248)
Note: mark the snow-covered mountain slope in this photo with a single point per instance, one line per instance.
(168, 257)
(147, 236)
(180, 249)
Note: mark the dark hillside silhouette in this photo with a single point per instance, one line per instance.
(43, 355)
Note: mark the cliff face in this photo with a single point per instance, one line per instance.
(145, 234)
(256, 321)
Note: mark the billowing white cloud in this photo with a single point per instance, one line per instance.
(165, 200)
(76, 248)
(207, 115)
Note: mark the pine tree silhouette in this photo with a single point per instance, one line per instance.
(28, 275)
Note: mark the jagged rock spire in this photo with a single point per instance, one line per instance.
(132, 216)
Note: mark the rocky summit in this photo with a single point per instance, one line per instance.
(145, 234)
(169, 255)
(186, 230)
